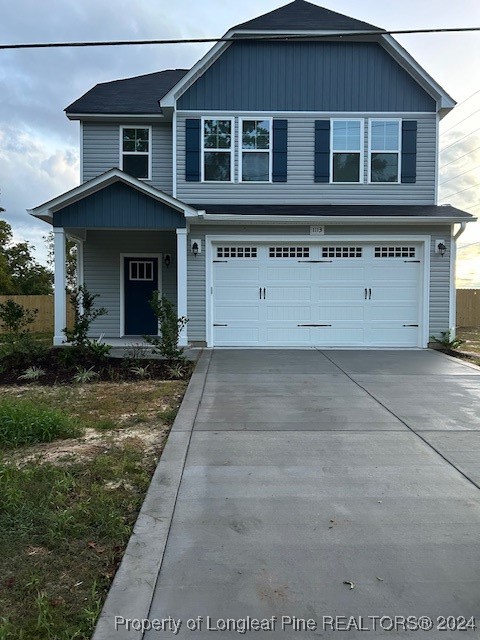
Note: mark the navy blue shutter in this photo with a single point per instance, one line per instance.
(192, 149)
(322, 150)
(280, 129)
(409, 151)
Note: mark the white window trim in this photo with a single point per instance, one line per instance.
(241, 150)
(232, 149)
(360, 151)
(137, 153)
(370, 150)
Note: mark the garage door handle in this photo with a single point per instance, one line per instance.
(264, 293)
(365, 293)
(314, 261)
(410, 325)
(369, 294)
(260, 293)
(220, 325)
(314, 325)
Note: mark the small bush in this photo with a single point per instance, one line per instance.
(24, 422)
(447, 341)
(84, 314)
(15, 319)
(170, 327)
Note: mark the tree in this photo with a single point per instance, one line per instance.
(71, 257)
(20, 273)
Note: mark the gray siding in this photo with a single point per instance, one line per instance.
(306, 76)
(102, 251)
(439, 295)
(300, 187)
(101, 152)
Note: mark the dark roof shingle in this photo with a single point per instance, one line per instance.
(131, 95)
(373, 211)
(302, 15)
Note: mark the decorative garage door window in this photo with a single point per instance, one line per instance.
(288, 252)
(394, 252)
(236, 252)
(341, 252)
(141, 270)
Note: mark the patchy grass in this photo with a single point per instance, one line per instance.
(26, 422)
(68, 507)
(471, 335)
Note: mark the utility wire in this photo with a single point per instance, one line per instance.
(459, 140)
(459, 175)
(449, 195)
(459, 123)
(121, 43)
(459, 157)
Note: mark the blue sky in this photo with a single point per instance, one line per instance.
(39, 147)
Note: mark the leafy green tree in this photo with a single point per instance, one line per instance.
(20, 273)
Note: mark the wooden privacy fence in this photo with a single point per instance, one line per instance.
(44, 320)
(468, 307)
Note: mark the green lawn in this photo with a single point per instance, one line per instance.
(67, 507)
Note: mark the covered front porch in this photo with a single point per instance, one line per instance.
(131, 241)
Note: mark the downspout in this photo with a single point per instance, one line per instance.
(453, 291)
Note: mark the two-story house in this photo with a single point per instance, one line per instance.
(282, 192)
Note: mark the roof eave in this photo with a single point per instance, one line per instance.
(114, 116)
(366, 220)
(46, 210)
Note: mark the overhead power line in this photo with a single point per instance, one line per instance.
(459, 123)
(459, 140)
(286, 36)
(459, 175)
(459, 157)
(449, 195)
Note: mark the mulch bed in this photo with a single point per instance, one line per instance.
(60, 365)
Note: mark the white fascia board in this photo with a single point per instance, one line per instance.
(131, 117)
(100, 182)
(401, 55)
(325, 220)
(169, 100)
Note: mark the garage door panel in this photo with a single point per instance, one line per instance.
(365, 300)
(291, 313)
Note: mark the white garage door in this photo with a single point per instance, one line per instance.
(317, 295)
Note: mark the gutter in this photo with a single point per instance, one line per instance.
(367, 220)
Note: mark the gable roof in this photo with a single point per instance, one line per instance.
(46, 210)
(300, 15)
(138, 95)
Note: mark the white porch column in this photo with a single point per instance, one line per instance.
(60, 300)
(182, 282)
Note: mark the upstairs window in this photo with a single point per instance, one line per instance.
(255, 154)
(346, 155)
(384, 142)
(135, 151)
(217, 140)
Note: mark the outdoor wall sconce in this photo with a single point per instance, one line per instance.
(196, 247)
(167, 260)
(441, 248)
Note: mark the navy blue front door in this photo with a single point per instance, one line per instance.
(141, 280)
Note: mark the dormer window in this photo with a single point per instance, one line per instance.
(135, 156)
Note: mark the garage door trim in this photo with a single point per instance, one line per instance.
(211, 240)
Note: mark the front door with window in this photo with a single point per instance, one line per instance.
(141, 280)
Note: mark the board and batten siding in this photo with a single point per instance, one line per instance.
(300, 187)
(102, 251)
(101, 151)
(439, 294)
(306, 76)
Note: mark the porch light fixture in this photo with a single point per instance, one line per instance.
(195, 248)
(441, 248)
(167, 260)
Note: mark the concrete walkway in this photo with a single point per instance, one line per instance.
(306, 470)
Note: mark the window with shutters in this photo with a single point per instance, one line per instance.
(255, 150)
(384, 150)
(217, 150)
(135, 156)
(346, 151)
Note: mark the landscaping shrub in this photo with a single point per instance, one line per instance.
(170, 327)
(24, 422)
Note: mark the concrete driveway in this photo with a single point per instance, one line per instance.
(307, 470)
